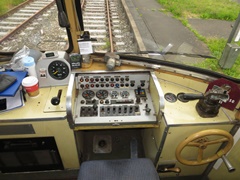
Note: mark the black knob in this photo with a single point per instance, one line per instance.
(56, 100)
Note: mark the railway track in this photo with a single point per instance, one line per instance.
(21, 16)
(37, 28)
(107, 22)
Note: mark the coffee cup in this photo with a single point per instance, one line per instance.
(30, 84)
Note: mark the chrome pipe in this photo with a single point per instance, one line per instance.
(228, 164)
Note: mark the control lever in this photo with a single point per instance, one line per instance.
(56, 100)
(175, 169)
(185, 97)
(228, 164)
(208, 104)
(168, 168)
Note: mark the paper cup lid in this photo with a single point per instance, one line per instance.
(29, 81)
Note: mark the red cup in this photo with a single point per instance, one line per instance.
(30, 84)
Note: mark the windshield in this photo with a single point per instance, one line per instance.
(31, 23)
(203, 34)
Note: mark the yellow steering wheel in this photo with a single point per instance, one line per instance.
(201, 141)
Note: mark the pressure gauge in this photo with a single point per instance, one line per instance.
(88, 94)
(102, 94)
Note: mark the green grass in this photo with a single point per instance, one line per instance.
(207, 9)
(6, 5)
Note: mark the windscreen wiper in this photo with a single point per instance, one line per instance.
(168, 53)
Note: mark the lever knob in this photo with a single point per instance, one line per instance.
(56, 100)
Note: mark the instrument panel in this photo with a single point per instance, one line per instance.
(114, 98)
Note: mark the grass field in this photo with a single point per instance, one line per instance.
(207, 9)
(6, 5)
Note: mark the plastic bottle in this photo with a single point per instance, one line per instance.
(29, 65)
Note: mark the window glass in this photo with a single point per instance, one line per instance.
(193, 33)
(41, 32)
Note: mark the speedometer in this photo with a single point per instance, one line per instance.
(58, 70)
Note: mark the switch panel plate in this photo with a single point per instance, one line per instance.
(113, 98)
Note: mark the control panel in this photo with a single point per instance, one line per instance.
(114, 98)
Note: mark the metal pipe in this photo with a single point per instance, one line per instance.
(234, 29)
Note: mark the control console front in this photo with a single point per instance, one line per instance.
(114, 98)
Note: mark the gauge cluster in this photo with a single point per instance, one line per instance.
(114, 97)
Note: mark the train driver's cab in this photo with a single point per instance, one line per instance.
(88, 91)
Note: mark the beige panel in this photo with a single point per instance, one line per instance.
(63, 135)
(34, 107)
(186, 81)
(51, 122)
(185, 113)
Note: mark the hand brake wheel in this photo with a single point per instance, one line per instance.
(200, 140)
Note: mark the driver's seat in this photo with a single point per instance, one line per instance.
(121, 169)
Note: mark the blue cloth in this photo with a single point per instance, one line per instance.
(125, 169)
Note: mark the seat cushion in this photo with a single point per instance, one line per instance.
(124, 169)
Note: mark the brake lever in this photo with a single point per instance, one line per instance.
(185, 97)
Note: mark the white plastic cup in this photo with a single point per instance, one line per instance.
(30, 84)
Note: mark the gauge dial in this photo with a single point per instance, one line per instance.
(114, 94)
(125, 94)
(170, 97)
(88, 94)
(58, 70)
(102, 94)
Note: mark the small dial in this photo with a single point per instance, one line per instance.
(125, 94)
(114, 94)
(102, 94)
(88, 94)
(58, 70)
(170, 97)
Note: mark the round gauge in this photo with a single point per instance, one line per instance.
(58, 70)
(114, 94)
(170, 97)
(125, 94)
(102, 94)
(88, 94)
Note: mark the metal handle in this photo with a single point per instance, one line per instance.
(192, 96)
(228, 164)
